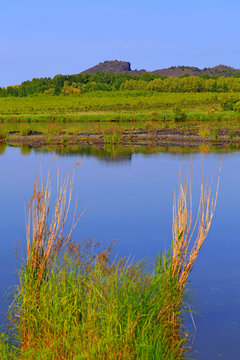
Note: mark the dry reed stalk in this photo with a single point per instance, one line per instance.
(45, 239)
(182, 228)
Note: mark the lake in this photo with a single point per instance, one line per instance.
(129, 198)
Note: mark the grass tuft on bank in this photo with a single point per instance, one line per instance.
(77, 301)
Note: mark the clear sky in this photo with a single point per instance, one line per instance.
(49, 37)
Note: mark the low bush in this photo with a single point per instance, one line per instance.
(179, 114)
(229, 103)
(237, 106)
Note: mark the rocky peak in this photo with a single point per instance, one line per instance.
(114, 66)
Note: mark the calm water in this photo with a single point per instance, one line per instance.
(130, 199)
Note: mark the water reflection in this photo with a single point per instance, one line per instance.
(2, 148)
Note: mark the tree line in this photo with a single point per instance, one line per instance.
(81, 83)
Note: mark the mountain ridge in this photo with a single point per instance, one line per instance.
(117, 67)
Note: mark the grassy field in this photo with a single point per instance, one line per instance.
(112, 113)
(76, 301)
(114, 101)
(125, 102)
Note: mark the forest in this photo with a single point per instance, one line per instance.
(82, 83)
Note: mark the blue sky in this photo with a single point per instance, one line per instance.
(45, 38)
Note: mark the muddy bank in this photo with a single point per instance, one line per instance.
(162, 137)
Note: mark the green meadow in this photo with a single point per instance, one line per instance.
(112, 112)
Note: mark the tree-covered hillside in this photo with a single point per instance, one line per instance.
(202, 81)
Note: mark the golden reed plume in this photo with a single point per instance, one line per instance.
(183, 229)
(45, 239)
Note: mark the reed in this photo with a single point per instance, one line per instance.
(45, 241)
(79, 301)
(183, 228)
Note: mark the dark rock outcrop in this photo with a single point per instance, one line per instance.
(117, 67)
(176, 71)
(110, 67)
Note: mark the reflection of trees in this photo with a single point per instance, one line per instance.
(108, 153)
(2, 148)
(117, 159)
(119, 153)
(25, 150)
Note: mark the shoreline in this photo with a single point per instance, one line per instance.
(160, 137)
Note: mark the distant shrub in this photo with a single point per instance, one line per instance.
(114, 138)
(25, 131)
(50, 91)
(211, 111)
(204, 132)
(215, 134)
(231, 135)
(179, 114)
(3, 134)
(65, 138)
(70, 89)
(228, 104)
(237, 106)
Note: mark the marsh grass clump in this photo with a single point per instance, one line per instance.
(215, 134)
(179, 114)
(25, 130)
(79, 301)
(231, 134)
(65, 138)
(3, 133)
(98, 308)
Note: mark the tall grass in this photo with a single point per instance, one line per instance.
(78, 301)
(183, 231)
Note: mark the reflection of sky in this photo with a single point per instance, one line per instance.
(133, 202)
